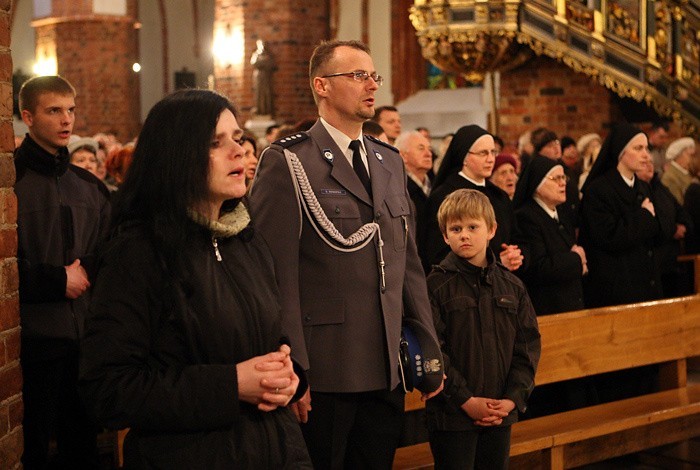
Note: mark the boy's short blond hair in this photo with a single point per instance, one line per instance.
(466, 203)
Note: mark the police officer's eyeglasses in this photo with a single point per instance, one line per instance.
(359, 76)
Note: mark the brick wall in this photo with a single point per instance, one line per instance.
(546, 93)
(290, 30)
(10, 373)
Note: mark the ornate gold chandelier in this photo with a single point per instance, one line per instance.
(469, 38)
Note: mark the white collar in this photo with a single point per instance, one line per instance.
(424, 186)
(343, 141)
(628, 181)
(464, 175)
(552, 213)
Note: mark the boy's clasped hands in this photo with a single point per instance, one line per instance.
(488, 411)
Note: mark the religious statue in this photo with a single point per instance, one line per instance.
(263, 65)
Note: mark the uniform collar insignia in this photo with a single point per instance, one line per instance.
(379, 156)
(328, 155)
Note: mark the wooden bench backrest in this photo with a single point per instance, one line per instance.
(594, 341)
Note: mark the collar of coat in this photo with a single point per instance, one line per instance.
(229, 224)
(31, 155)
(453, 263)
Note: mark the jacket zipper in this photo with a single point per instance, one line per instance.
(251, 319)
(215, 244)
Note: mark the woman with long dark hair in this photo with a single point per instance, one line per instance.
(184, 344)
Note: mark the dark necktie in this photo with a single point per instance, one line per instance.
(359, 166)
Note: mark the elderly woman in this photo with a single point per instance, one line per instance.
(554, 271)
(504, 174)
(83, 153)
(184, 345)
(555, 264)
(468, 164)
(677, 176)
(588, 147)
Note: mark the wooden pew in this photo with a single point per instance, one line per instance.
(588, 342)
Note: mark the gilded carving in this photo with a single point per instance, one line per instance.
(662, 36)
(623, 19)
(653, 74)
(577, 13)
(505, 34)
(690, 50)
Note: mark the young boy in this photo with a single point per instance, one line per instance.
(489, 338)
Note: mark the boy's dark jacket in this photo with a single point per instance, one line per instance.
(488, 333)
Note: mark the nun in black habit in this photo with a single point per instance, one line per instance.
(553, 271)
(555, 264)
(619, 223)
(468, 163)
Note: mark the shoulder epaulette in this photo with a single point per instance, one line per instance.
(290, 140)
(381, 142)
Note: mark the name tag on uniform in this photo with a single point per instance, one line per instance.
(333, 192)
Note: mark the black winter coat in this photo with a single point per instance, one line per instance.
(488, 334)
(160, 355)
(63, 214)
(553, 273)
(618, 236)
(420, 202)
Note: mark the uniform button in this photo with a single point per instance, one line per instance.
(650, 253)
(337, 210)
(652, 282)
(379, 214)
(307, 318)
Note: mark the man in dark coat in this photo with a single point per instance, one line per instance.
(62, 216)
(417, 156)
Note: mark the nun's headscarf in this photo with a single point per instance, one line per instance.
(531, 178)
(613, 146)
(454, 157)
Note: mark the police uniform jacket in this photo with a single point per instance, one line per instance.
(343, 316)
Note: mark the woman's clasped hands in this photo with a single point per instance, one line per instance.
(268, 381)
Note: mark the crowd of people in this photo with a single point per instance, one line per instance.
(243, 303)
